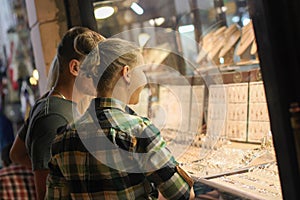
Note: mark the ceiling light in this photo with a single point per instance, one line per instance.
(137, 8)
(245, 21)
(104, 12)
(152, 22)
(235, 19)
(157, 21)
(186, 28)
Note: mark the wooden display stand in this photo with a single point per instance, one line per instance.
(253, 50)
(218, 44)
(247, 47)
(212, 43)
(226, 43)
(232, 35)
(219, 40)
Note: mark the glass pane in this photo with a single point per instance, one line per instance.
(205, 93)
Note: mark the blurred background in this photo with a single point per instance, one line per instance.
(30, 32)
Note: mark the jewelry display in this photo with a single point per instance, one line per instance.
(234, 152)
(261, 182)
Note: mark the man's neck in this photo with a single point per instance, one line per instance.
(66, 90)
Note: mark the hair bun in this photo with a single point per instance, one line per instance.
(85, 42)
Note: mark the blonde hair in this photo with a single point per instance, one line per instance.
(107, 59)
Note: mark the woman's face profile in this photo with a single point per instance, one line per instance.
(85, 84)
(137, 80)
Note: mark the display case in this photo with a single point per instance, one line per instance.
(234, 153)
(216, 121)
(227, 103)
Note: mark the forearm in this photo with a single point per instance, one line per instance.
(40, 177)
(18, 153)
(25, 161)
(161, 167)
(192, 194)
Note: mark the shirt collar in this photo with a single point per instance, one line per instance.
(103, 103)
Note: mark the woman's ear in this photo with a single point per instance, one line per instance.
(125, 74)
(74, 67)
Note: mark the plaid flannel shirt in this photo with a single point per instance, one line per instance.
(111, 153)
(17, 182)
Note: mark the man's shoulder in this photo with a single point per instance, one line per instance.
(59, 105)
(52, 106)
(49, 114)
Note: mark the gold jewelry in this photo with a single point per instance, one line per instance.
(60, 94)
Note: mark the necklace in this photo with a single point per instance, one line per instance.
(60, 94)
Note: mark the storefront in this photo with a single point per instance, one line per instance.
(222, 86)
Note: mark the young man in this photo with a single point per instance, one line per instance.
(54, 109)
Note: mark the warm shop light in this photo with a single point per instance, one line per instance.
(168, 30)
(157, 21)
(35, 74)
(152, 22)
(186, 28)
(137, 8)
(32, 81)
(224, 8)
(104, 12)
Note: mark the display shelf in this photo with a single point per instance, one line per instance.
(244, 170)
(259, 182)
(217, 157)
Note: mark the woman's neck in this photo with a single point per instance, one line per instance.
(120, 95)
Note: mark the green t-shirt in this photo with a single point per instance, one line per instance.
(45, 119)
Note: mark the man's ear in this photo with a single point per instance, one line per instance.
(125, 74)
(74, 67)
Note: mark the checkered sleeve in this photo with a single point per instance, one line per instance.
(160, 165)
(17, 182)
(57, 185)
